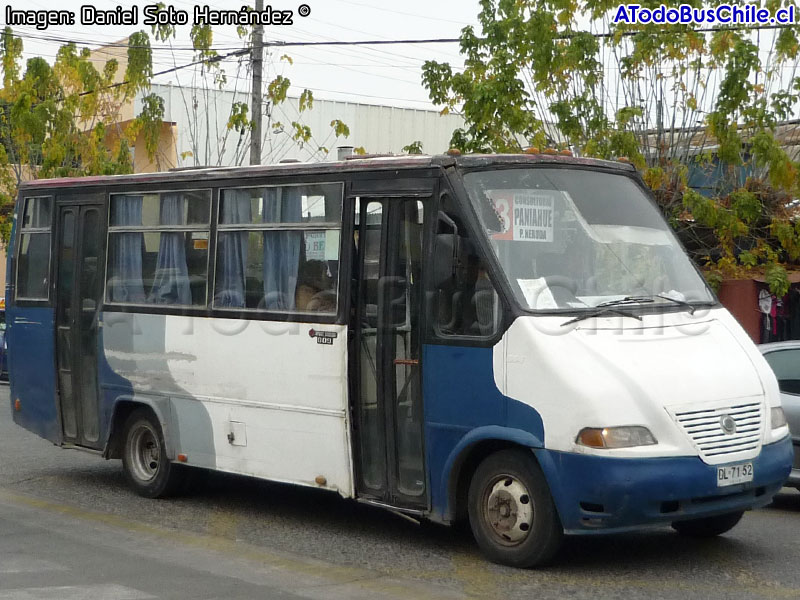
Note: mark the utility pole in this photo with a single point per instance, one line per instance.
(257, 61)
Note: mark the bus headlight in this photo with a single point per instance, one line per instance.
(777, 417)
(616, 437)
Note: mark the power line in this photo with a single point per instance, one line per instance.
(208, 61)
(282, 44)
(384, 42)
(66, 40)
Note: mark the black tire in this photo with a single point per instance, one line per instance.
(511, 512)
(144, 457)
(709, 526)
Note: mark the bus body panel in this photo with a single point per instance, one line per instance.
(541, 384)
(616, 371)
(31, 336)
(235, 406)
(463, 407)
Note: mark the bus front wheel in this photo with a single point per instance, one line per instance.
(144, 459)
(511, 511)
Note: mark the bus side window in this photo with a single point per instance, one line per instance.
(467, 303)
(158, 248)
(278, 248)
(33, 264)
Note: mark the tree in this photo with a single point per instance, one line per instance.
(211, 143)
(671, 99)
(61, 120)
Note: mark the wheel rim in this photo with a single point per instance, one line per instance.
(144, 452)
(508, 510)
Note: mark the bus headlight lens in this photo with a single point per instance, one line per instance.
(616, 437)
(778, 417)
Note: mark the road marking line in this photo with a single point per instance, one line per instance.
(105, 591)
(223, 524)
(24, 563)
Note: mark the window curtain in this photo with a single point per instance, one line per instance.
(171, 280)
(232, 257)
(281, 248)
(126, 282)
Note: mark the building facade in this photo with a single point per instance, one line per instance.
(201, 116)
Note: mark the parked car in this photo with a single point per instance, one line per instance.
(784, 358)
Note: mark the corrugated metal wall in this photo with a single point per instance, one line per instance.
(203, 137)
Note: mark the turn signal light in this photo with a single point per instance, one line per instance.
(592, 438)
(778, 417)
(183, 458)
(17, 405)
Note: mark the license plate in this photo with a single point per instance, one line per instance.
(733, 474)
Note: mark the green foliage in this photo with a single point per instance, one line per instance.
(306, 100)
(768, 153)
(140, 63)
(413, 148)
(302, 133)
(162, 32)
(531, 62)
(278, 89)
(238, 120)
(340, 129)
(715, 280)
(62, 119)
(149, 121)
(10, 53)
(777, 280)
(745, 206)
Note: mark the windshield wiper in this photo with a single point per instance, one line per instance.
(650, 299)
(691, 308)
(600, 311)
(627, 300)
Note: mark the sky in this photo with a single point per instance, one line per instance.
(373, 74)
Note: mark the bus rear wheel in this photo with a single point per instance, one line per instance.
(511, 511)
(144, 459)
(709, 526)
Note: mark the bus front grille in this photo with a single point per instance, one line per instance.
(713, 434)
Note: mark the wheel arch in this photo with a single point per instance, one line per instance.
(468, 454)
(124, 406)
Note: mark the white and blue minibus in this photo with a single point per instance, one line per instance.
(517, 340)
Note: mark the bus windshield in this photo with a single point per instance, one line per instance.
(572, 239)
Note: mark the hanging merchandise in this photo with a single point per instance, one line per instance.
(766, 306)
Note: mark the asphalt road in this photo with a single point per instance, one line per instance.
(69, 528)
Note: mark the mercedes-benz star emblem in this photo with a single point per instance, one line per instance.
(728, 424)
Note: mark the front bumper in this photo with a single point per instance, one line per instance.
(595, 494)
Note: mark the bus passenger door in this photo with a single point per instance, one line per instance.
(78, 298)
(386, 352)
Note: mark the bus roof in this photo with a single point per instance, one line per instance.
(358, 164)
